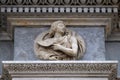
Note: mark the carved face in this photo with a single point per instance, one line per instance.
(60, 28)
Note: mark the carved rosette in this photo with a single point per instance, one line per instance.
(114, 1)
(19, 2)
(83, 2)
(4, 1)
(67, 1)
(51, 2)
(35, 2)
(99, 1)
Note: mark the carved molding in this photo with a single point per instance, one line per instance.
(76, 21)
(83, 8)
(59, 9)
(59, 2)
(106, 69)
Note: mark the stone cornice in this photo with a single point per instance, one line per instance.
(68, 19)
(107, 69)
(54, 8)
(59, 2)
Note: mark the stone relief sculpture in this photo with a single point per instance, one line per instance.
(59, 43)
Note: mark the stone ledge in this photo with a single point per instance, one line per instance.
(114, 36)
(4, 36)
(43, 69)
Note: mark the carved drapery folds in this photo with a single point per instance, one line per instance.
(59, 2)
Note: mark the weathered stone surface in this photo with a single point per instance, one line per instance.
(60, 79)
(93, 36)
(44, 70)
(6, 52)
(49, 44)
(113, 52)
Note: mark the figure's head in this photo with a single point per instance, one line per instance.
(57, 26)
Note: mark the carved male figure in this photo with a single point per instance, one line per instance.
(59, 43)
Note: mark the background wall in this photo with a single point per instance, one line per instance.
(6, 52)
(24, 40)
(113, 52)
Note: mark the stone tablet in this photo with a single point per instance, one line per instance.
(93, 36)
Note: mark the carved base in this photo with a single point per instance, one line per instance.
(55, 70)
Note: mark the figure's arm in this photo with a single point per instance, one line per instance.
(49, 41)
(69, 51)
(46, 42)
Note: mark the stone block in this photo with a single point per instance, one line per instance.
(59, 70)
(93, 36)
(6, 52)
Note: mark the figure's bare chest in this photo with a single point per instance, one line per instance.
(67, 42)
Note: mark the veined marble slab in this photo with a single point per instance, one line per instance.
(24, 40)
